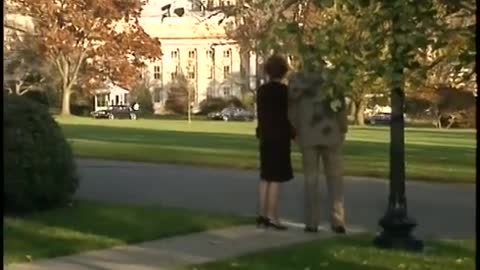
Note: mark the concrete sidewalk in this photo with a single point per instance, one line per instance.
(180, 251)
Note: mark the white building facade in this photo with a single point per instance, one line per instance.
(194, 46)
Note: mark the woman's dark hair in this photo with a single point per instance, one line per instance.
(276, 67)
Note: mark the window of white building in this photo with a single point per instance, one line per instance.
(209, 54)
(191, 54)
(227, 91)
(157, 72)
(227, 53)
(174, 54)
(191, 73)
(226, 72)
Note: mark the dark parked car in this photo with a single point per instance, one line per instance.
(232, 114)
(116, 112)
(379, 119)
(382, 119)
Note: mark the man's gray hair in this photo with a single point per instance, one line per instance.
(305, 83)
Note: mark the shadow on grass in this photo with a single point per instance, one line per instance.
(350, 253)
(455, 249)
(443, 248)
(37, 242)
(91, 225)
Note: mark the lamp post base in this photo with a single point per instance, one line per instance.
(397, 228)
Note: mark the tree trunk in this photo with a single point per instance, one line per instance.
(189, 107)
(352, 110)
(451, 121)
(438, 121)
(247, 78)
(68, 78)
(255, 113)
(245, 59)
(359, 110)
(257, 67)
(17, 88)
(66, 93)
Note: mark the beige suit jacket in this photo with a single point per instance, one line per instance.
(314, 127)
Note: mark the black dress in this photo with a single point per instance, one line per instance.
(274, 132)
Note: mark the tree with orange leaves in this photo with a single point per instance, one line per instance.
(101, 38)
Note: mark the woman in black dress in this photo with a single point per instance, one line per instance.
(274, 132)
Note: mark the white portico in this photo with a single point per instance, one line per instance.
(110, 95)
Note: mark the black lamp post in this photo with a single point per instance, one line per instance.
(397, 225)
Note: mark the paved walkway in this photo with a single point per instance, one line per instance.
(179, 251)
(442, 210)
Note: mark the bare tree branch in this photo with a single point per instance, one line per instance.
(83, 54)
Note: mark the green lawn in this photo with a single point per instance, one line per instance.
(353, 253)
(432, 155)
(88, 226)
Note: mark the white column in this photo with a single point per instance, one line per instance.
(235, 70)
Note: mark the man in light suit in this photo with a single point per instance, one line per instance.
(321, 134)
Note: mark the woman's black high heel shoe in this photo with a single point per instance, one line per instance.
(261, 221)
(276, 226)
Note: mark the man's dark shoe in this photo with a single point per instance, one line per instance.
(339, 229)
(311, 229)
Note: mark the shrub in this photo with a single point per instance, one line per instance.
(212, 105)
(38, 96)
(248, 101)
(39, 170)
(81, 104)
(177, 101)
(80, 109)
(463, 119)
(216, 104)
(469, 118)
(235, 102)
(144, 99)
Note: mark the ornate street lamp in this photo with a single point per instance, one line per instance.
(397, 225)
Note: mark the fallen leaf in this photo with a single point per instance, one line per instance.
(324, 264)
